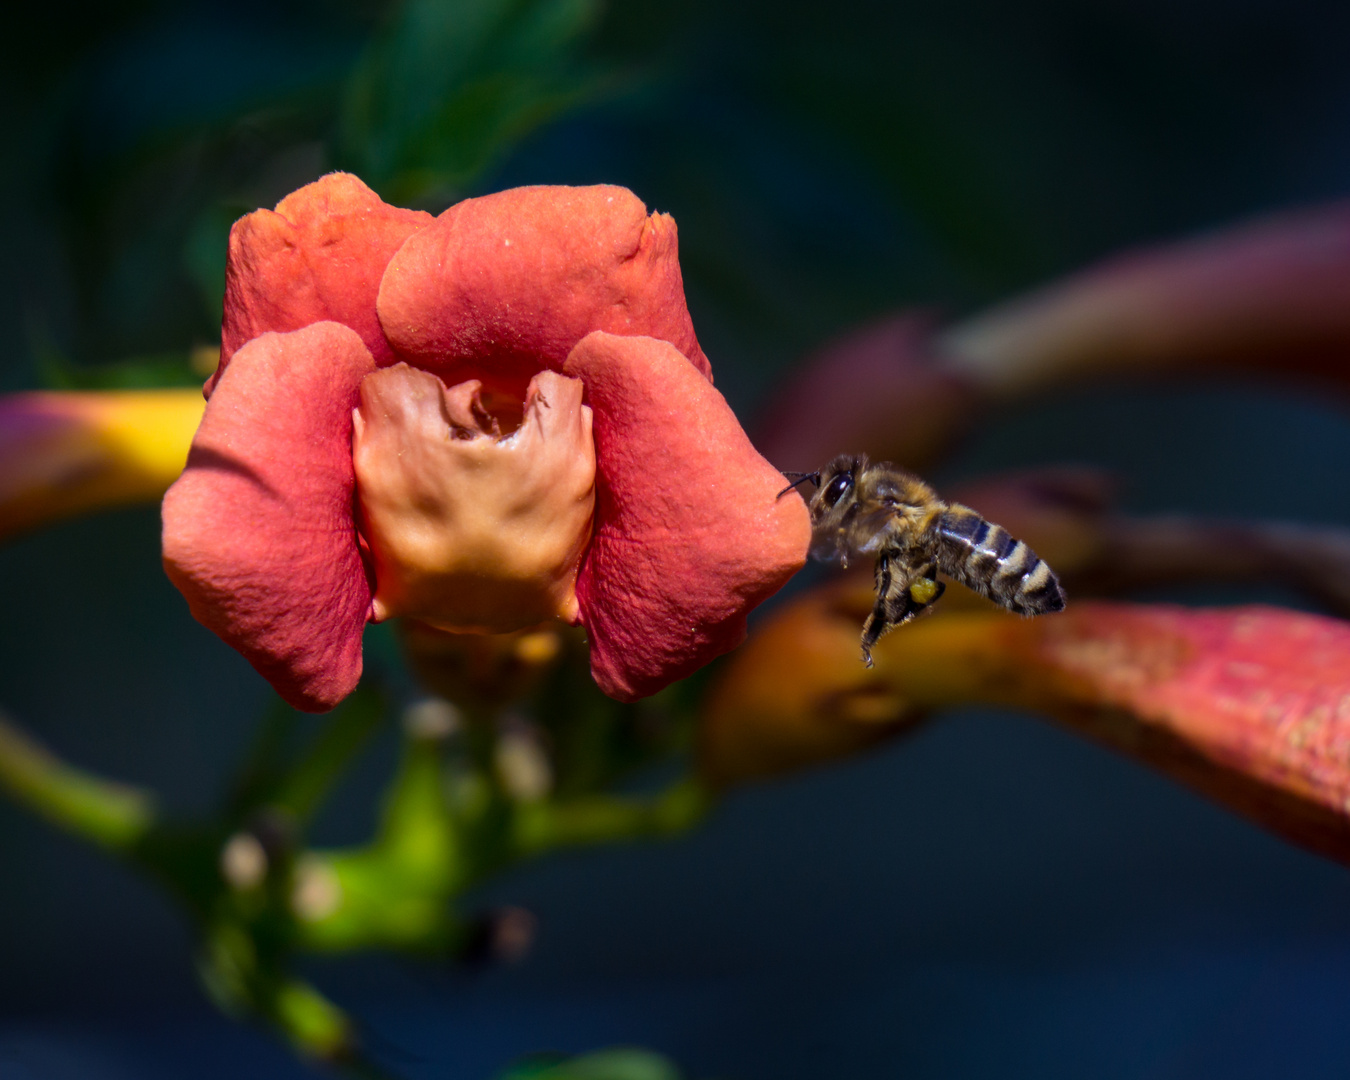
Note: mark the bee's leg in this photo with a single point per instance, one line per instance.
(878, 622)
(894, 604)
(903, 594)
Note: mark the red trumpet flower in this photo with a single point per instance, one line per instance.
(479, 420)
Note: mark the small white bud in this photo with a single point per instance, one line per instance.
(243, 862)
(523, 768)
(316, 892)
(433, 720)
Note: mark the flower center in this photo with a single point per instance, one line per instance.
(468, 529)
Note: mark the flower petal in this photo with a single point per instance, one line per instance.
(877, 390)
(510, 282)
(689, 534)
(797, 694)
(1272, 294)
(258, 531)
(468, 530)
(1250, 706)
(63, 454)
(320, 255)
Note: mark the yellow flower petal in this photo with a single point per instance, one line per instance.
(64, 454)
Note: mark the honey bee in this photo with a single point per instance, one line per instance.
(877, 509)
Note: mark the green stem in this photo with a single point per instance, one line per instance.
(307, 784)
(605, 819)
(112, 815)
(395, 892)
(265, 764)
(246, 985)
(311, 1023)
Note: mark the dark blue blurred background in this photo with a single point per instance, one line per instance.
(991, 897)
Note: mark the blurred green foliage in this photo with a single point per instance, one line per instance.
(618, 1064)
(474, 791)
(168, 126)
(825, 162)
(449, 86)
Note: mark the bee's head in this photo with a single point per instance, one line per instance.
(833, 484)
(837, 479)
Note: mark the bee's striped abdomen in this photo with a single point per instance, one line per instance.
(983, 557)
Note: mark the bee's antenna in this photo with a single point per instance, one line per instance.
(802, 477)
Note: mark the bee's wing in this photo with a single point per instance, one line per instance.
(871, 531)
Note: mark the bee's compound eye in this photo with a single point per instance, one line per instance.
(836, 489)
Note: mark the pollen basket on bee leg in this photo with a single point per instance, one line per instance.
(923, 591)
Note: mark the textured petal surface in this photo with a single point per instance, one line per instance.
(1250, 705)
(509, 283)
(689, 534)
(319, 256)
(258, 531)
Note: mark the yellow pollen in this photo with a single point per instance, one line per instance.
(923, 591)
